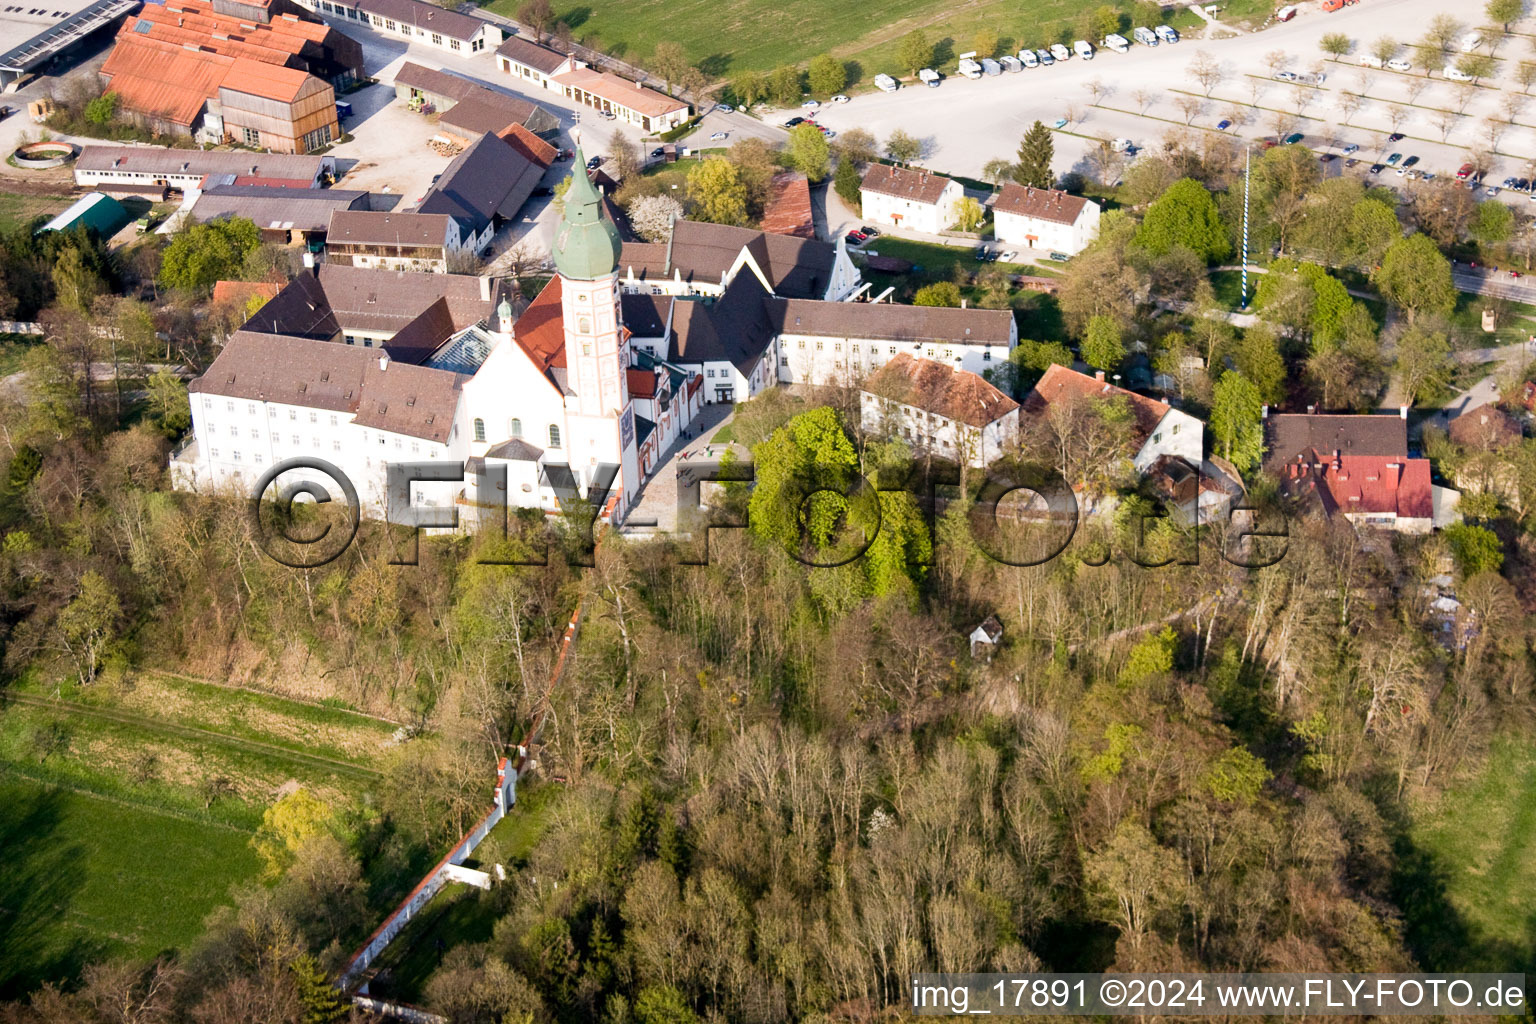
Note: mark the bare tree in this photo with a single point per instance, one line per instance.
(1513, 103)
(1276, 60)
(1074, 113)
(1143, 98)
(1302, 97)
(1097, 89)
(1206, 70)
(1363, 76)
(1349, 105)
(1465, 91)
(1282, 123)
(1445, 120)
(1526, 75)
(1396, 115)
(1237, 114)
(1493, 131)
(1416, 87)
(1189, 106)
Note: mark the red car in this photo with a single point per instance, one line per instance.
(1464, 172)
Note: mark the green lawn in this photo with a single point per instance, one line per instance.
(1469, 900)
(729, 37)
(1517, 323)
(16, 210)
(86, 877)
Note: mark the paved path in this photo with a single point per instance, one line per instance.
(660, 497)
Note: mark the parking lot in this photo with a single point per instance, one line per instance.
(1147, 92)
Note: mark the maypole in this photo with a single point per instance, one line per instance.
(1247, 166)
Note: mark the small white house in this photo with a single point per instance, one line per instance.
(911, 198)
(952, 413)
(1044, 218)
(533, 62)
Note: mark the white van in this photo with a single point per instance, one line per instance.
(968, 67)
(1144, 36)
(1121, 145)
(1010, 64)
(1083, 49)
(885, 83)
(1370, 60)
(1398, 64)
(1117, 42)
(1060, 52)
(1455, 74)
(1166, 33)
(1470, 42)
(1028, 59)
(930, 77)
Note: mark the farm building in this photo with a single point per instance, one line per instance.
(528, 60)
(97, 211)
(467, 109)
(414, 20)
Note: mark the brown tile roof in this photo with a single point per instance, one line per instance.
(531, 54)
(645, 315)
(733, 328)
(621, 91)
(912, 183)
(788, 210)
(890, 322)
(486, 113)
(225, 291)
(940, 389)
(490, 179)
(416, 401)
(1487, 426)
(1063, 385)
(1315, 436)
(307, 209)
(796, 267)
(162, 161)
(426, 16)
(373, 227)
(1040, 203)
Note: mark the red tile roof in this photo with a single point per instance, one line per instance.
(541, 329)
(788, 210)
(642, 383)
(1366, 485)
(1061, 384)
(242, 290)
(621, 91)
(530, 145)
(172, 85)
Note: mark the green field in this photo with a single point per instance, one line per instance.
(16, 210)
(87, 877)
(1468, 899)
(726, 38)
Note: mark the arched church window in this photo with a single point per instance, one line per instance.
(554, 436)
(479, 429)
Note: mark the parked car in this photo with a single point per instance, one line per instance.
(725, 108)
(1410, 161)
(1293, 138)
(1223, 124)
(1393, 159)
(1377, 168)
(983, 254)
(856, 237)
(869, 232)
(1060, 52)
(839, 98)
(1285, 76)
(658, 152)
(794, 121)
(1326, 157)
(1398, 64)
(1455, 74)
(1060, 122)
(1351, 148)
(1491, 190)
(719, 136)
(5, 112)
(1464, 172)
(1167, 33)
(1045, 57)
(1060, 257)
(1028, 59)
(1396, 137)
(1351, 162)
(594, 163)
(811, 105)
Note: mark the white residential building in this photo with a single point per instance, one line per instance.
(415, 20)
(910, 198)
(934, 407)
(838, 342)
(1160, 429)
(532, 62)
(1043, 218)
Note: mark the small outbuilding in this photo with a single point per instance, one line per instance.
(986, 637)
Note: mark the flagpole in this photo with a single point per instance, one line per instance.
(1247, 166)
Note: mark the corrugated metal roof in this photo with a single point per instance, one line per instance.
(171, 85)
(162, 160)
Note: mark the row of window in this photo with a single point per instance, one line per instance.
(837, 346)
(515, 429)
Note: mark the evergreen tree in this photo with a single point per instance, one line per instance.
(323, 1002)
(1035, 153)
(1235, 409)
(847, 182)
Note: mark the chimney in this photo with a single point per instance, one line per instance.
(1402, 411)
(1336, 463)
(1098, 375)
(383, 361)
(485, 289)
(309, 260)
